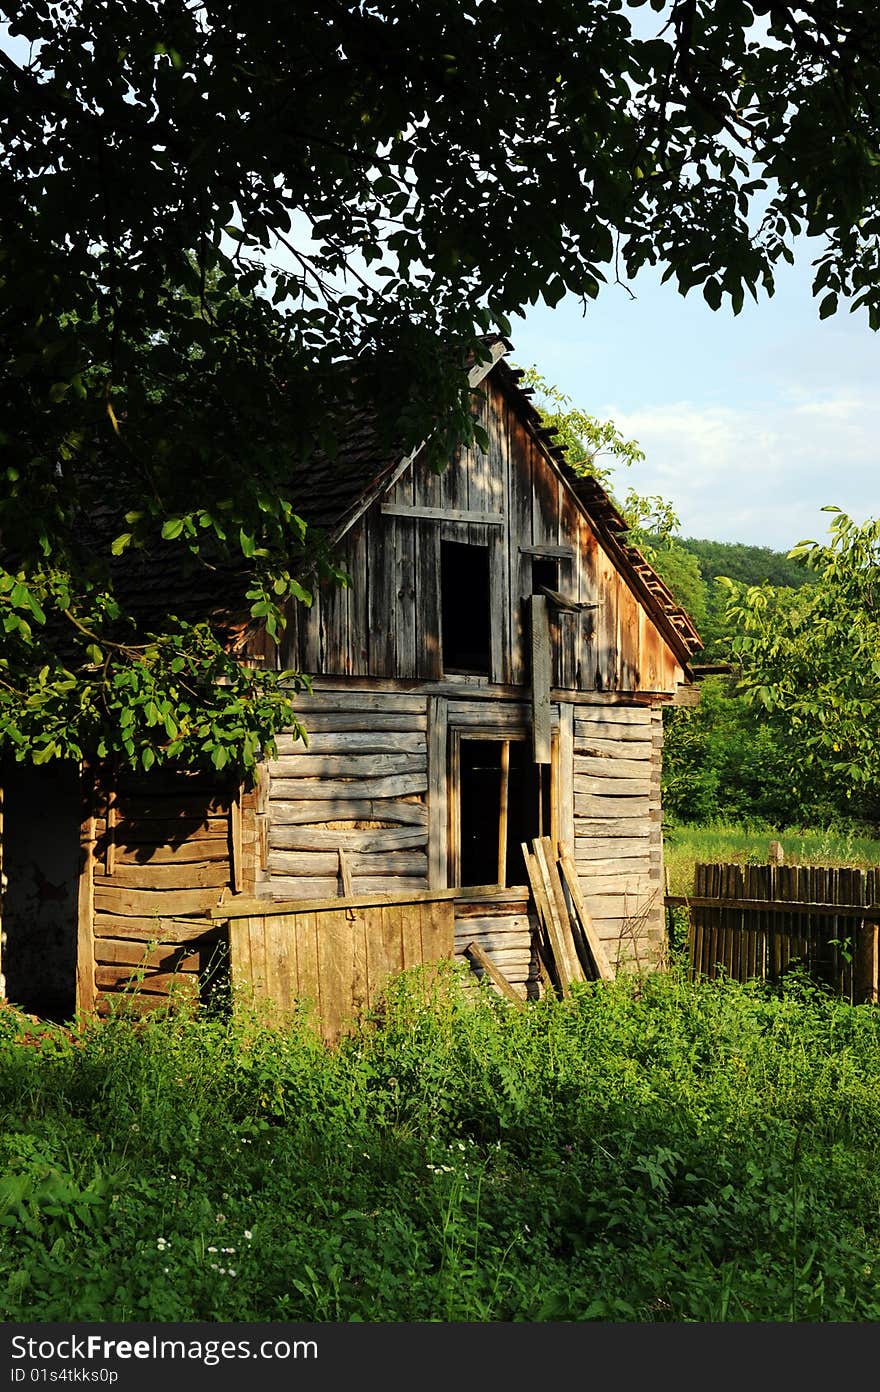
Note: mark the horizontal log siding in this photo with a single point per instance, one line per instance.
(168, 845)
(503, 929)
(360, 786)
(617, 840)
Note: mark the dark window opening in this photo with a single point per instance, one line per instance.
(464, 599)
(41, 853)
(545, 571)
(501, 795)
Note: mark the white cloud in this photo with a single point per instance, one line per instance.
(749, 473)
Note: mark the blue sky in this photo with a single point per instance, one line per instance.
(750, 424)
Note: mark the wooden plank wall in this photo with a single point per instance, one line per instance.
(387, 624)
(167, 847)
(333, 961)
(617, 838)
(359, 786)
(501, 925)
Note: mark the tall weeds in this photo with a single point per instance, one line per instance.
(650, 1150)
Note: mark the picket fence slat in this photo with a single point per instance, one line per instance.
(758, 922)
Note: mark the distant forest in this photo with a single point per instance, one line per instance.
(690, 566)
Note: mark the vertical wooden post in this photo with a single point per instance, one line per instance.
(541, 675)
(777, 854)
(110, 837)
(438, 794)
(502, 812)
(865, 964)
(85, 934)
(235, 844)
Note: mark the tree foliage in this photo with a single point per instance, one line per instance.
(223, 226)
(813, 655)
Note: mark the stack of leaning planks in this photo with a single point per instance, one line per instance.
(569, 948)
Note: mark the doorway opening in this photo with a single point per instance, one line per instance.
(41, 864)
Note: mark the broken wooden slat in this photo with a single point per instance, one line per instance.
(544, 850)
(569, 874)
(482, 960)
(546, 904)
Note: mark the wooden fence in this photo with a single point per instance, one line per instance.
(757, 921)
(334, 955)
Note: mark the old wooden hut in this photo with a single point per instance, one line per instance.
(495, 671)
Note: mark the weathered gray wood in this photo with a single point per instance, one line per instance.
(637, 885)
(481, 959)
(373, 840)
(626, 865)
(603, 906)
(151, 956)
(326, 698)
(246, 907)
(603, 827)
(610, 786)
(215, 848)
(349, 808)
(564, 553)
(563, 776)
(541, 677)
(156, 929)
(345, 765)
(507, 717)
(372, 724)
(323, 887)
(568, 872)
(592, 848)
(327, 862)
(328, 742)
(587, 766)
(612, 750)
(445, 515)
(322, 789)
(499, 660)
(437, 793)
(592, 805)
(488, 932)
(588, 735)
(195, 875)
(143, 903)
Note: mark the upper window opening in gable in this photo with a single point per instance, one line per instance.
(545, 572)
(464, 601)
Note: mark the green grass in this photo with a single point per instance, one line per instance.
(650, 1150)
(685, 845)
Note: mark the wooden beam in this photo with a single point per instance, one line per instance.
(502, 812)
(482, 960)
(562, 553)
(85, 937)
(432, 514)
(569, 874)
(869, 912)
(541, 677)
(235, 848)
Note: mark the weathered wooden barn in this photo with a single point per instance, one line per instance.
(495, 671)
